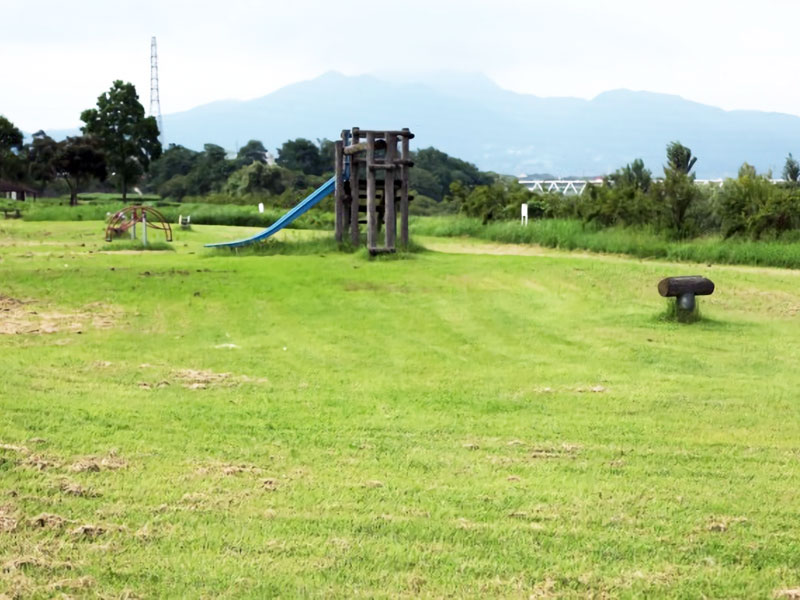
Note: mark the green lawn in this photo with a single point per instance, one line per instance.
(464, 423)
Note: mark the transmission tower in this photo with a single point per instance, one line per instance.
(155, 102)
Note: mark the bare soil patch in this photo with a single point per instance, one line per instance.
(200, 379)
(21, 317)
(95, 464)
(47, 521)
(8, 520)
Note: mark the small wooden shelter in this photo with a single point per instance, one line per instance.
(16, 191)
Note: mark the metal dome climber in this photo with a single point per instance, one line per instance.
(126, 220)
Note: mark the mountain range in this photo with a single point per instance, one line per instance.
(471, 117)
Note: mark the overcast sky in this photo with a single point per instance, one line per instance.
(56, 57)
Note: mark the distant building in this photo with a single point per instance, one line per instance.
(16, 191)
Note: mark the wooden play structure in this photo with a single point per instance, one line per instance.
(373, 166)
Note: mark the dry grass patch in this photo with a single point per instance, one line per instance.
(22, 317)
(72, 488)
(48, 521)
(95, 464)
(8, 519)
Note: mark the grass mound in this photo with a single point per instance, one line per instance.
(128, 245)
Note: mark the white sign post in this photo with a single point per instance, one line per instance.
(524, 214)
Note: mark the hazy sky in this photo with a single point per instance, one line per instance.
(56, 57)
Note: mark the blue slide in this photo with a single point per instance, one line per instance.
(310, 201)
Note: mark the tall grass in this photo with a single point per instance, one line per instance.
(202, 214)
(639, 242)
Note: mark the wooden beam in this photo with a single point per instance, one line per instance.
(692, 284)
(362, 146)
(354, 193)
(406, 164)
(362, 133)
(339, 171)
(372, 220)
(388, 192)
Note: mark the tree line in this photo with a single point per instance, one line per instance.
(120, 146)
(118, 141)
(676, 204)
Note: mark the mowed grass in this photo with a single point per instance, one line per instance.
(453, 425)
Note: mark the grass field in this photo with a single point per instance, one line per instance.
(481, 420)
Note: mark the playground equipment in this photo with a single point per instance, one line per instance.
(126, 220)
(357, 167)
(684, 289)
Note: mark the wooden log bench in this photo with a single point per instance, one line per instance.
(684, 289)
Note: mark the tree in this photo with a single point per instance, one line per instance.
(252, 151)
(678, 191)
(77, 160)
(256, 178)
(74, 160)
(211, 170)
(128, 137)
(679, 158)
(327, 155)
(41, 154)
(174, 161)
(633, 175)
(10, 146)
(751, 204)
(791, 170)
(301, 155)
(444, 169)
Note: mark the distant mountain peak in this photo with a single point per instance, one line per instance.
(469, 116)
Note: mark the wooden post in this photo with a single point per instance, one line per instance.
(355, 199)
(404, 155)
(372, 217)
(339, 171)
(388, 191)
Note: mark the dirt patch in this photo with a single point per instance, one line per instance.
(88, 531)
(228, 469)
(47, 521)
(81, 583)
(788, 594)
(270, 484)
(199, 379)
(21, 317)
(76, 489)
(562, 451)
(39, 462)
(722, 524)
(94, 464)
(14, 448)
(236, 469)
(194, 379)
(8, 522)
